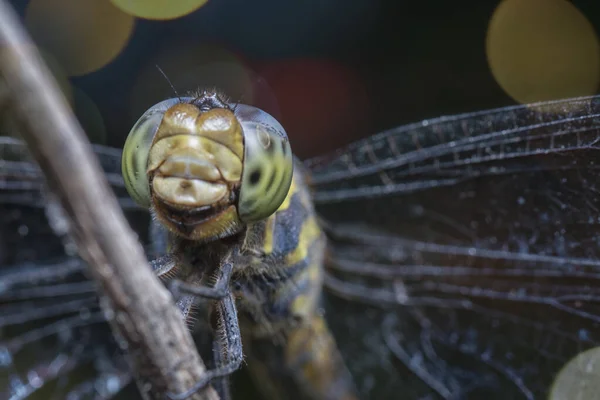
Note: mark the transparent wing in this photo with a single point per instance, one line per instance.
(473, 241)
(54, 340)
(21, 181)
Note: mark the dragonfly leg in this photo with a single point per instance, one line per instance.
(229, 344)
(218, 291)
(221, 385)
(164, 265)
(227, 340)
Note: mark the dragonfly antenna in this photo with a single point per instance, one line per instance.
(168, 81)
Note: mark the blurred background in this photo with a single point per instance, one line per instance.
(330, 70)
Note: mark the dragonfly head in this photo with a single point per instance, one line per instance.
(207, 168)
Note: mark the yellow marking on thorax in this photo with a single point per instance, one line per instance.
(309, 232)
(305, 304)
(268, 241)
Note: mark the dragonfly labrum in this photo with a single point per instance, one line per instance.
(454, 258)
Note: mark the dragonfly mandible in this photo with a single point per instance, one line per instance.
(461, 261)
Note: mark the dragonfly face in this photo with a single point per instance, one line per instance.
(207, 169)
(462, 258)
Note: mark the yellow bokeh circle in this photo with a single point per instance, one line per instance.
(541, 50)
(578, 379)
(159, 9)
(59, 74)
(82, 35)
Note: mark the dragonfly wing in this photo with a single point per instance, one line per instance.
(54, 340)
(21, 180)
(477, 237)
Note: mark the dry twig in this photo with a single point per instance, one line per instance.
(161, 351)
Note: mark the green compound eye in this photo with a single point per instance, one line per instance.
(268, 164)
(134, 160)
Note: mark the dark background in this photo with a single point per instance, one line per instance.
(330, 70)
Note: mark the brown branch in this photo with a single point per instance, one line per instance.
(160, 349)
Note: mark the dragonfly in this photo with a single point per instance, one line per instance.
(459, 259)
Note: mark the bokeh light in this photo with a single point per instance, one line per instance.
(7, 127)
(579, 378)
(191, 67)
(320, 103)
(541, 50)
(59, 74)
(82, 35)
(89, 116)
(159, 9)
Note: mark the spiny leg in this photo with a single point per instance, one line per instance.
(218, 291)
(229, 344)
(221, 385)
(165, 266)
(227, 348)
(225, 334)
